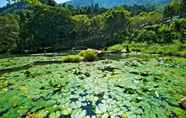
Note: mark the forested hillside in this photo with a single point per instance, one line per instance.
(38, 26)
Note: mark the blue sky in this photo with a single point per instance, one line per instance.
(3, 2)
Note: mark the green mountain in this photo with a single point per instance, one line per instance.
(113, 3)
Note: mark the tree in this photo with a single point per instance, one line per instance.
(144, 19)
(26, 37)
(51, 27)
(180, 27)
(175, 8)
(183, 8)
(49, 2)
(165, 34)
(9, 33)
(147, 36)
(117, 24)
(97, 32)
(82, 25)
(35, 2)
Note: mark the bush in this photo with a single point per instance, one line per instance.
(147, 36)
(88, 55)
(116, 48)
(71, 58)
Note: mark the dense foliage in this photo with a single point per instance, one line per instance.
(132, 87)
(71, 59)
(43, 26)
(9, 33)
(88, 55)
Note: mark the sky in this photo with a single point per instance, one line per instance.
(3, 2)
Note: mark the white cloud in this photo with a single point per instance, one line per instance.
(61, 1)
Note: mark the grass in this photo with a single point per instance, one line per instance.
(116, 48)
(71, 58)
(175, 49)
(85, 55)
(88, 55)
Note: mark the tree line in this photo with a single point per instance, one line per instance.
(46, 26)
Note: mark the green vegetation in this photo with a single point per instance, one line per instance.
(71, 58)
(175, 49)
(9, 33)
(49, 28)
(88, 55)
(58, 61)
(116, 48)
(136, 87)
(85, 55)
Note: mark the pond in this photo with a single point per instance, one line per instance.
(116, 86)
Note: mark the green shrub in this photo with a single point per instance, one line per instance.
(136, 47)
(147, 36)
(71, 58)
(116, 48)
(88, 55)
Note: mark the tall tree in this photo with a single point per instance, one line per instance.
(51, 27)
(9, 33)
(49, 2)
(117, 24)
(183, 8)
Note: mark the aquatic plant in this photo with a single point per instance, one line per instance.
(88, 55)
(71, 58)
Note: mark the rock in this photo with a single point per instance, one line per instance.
(124, 51)
(183, 103)
(99, 52)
